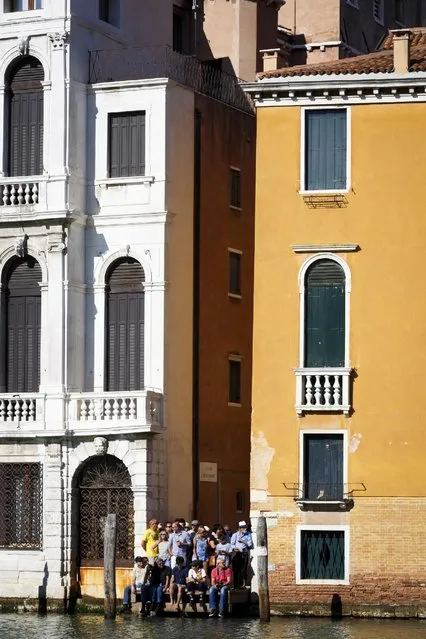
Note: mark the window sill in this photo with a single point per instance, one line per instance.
(322, 582)
(27, 13)
(235, 404)
(124, 181)
(379, 21)
(325, 192)
(235, 208)
(235, 296)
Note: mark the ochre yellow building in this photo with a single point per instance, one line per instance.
(338, 426)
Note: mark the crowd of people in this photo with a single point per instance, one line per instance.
(187, 562)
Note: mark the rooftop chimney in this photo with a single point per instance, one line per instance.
(270, 59)
(401, 50)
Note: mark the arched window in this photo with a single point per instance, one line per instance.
(21, 325)
(324, 338)
(125, 326)
(24, 117)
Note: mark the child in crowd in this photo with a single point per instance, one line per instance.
(178, 582)
(196, 580)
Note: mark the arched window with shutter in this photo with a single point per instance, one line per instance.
(24, 117)
(21, 325)
(324, 329)
(125, 326)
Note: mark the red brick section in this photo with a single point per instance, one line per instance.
(378, 62)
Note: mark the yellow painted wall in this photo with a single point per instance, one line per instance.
(385, 216)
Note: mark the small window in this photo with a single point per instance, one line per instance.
(109, 11)
(21, 505)
(235, 188)
(234, 273)
(378, 10)
(325, 150)
(353, 3)
(322, 470)
(22, 5)
(239, 501)
(234, 392)
(127, 144)
(322, 555)
(399, 11)
(181, 30)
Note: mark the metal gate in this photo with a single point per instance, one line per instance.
(105, 488)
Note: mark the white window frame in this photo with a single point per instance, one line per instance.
(235, 357)
(236, 296)
(379, 11)
(353, 3)
(323, 582)
(303, 110)
(302, 290)
(302, 435)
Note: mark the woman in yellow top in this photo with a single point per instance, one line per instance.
(150, 541)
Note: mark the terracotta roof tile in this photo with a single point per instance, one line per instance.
(378, 62)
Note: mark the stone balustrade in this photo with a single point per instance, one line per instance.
(323, 390)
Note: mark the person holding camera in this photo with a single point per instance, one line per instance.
(221, 578)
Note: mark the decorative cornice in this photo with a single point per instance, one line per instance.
(322, 248)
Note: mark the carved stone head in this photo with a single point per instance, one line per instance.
(101, 445)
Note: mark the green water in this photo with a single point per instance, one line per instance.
(29, 626)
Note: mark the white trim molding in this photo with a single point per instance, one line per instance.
(302, 189)
(323, 582)
(321, 248)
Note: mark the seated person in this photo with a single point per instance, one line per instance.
(140, 581)
(178, 582)
(196, 580)
(159, 583)
(221, 578)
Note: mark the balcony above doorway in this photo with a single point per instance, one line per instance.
(39, 414)
(323, 390)
(324, 496)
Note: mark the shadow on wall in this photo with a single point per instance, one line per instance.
(336, 607)
(42, 592)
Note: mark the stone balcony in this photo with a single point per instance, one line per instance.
(323, 390)
(35, 414)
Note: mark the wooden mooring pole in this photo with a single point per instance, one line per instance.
(262, 569)
(110, 535)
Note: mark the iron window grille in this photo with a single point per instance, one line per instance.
(21, 505)
(234, 273)
(235, 188)
(322, 554)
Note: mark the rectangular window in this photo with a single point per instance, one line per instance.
(21, 505)
(325, 150)
(235, 188)
(109, 11)
(239, 501)
(127, 144)
(22, 5)
(234, 391)
(378, 11)
(234, 272)
(322, 471)
(322, 555)
(181, 30)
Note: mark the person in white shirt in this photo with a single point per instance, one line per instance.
(196, 581)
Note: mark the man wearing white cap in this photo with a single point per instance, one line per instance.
(241, 543)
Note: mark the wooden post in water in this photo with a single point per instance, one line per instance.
(110, 604)
(262, 569)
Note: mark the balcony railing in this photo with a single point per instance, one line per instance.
(324, 492)
(323, 390)
(148, 63)
(23, 410)
(22, 191)
(94, 410)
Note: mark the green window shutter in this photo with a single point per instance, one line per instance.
(325, 315)
(325, 149)
(323, 467)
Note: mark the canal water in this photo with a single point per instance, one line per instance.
(29, 626)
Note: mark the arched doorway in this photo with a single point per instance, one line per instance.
(21, 325)
(125, 326)
(104, 487)
(24, 106)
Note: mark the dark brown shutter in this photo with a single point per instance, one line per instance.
(125, 326)
(23, 326)
(26, 118)
(127, 144)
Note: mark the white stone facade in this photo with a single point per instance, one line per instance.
(81, 222)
